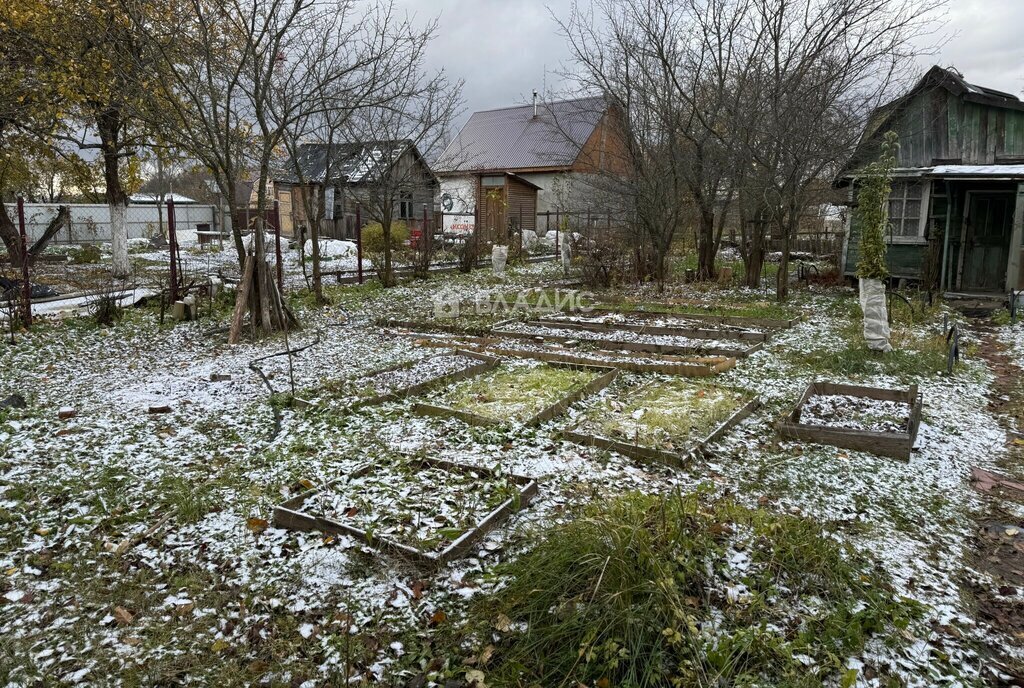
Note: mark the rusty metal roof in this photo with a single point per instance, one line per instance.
(514, 139)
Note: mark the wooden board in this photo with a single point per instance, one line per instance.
(606, 377)
(613, 345)
(287, 515)
(675, 331)
(674, 459)
(731, 320)
(897, 445)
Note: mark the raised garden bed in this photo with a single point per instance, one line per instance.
(686, 366)
(676, 326)
(870, 419)
(661, 311)
(409, 379)
(428, 510)
(628, 341)
(527, 393)
(668, 421)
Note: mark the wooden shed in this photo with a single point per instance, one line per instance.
(956, 211)
(507, 205)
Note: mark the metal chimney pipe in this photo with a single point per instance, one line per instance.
(535, 104)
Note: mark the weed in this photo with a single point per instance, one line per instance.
(646, 591)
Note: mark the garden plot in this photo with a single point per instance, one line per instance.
(429, 510)
(871, 419)
(687, 366)
(407, 379)
(523, 392)
(653, 324)
(629, 341)
(667, 420)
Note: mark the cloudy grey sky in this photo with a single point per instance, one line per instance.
(502, 48)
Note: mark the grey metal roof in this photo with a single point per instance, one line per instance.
(351, 163)
(513, 139)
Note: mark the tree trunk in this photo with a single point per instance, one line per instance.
(706, 246)
(782, 278)
(387, 276)
(236, 231)
(10, 236)
(314, 239)
(108, 124)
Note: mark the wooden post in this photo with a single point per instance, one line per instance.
(172, 244)
(277, 245)
(26, 286)
(558, 230)
(242, 302)
(1016, 235)
(359, 243)
(426, 238)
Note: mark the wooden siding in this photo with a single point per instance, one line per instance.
(938, 126)
(522, 204)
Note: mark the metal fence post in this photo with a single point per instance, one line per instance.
(426, 238)
(277, 245)
(172, 244)
(26, 286)
(558, 230)
(359, 243)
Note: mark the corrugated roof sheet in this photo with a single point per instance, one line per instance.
(513, 139)
(350, 162)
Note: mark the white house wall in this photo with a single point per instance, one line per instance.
(91, 223)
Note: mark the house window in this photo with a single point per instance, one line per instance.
(905, 207)
(405, 209)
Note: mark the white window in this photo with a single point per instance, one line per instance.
(906, 208)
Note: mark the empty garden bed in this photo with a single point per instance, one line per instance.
(695, 313)
(428, 510)
(667, 364)
(408, 379)
(870, 419)
(619, 340)
(677, 326)
(524, 392)
(666, 420)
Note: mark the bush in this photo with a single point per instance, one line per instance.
(373, 246)
(87, 255)
(649, 591)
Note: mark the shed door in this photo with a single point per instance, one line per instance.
(989, 223)
(496, 206)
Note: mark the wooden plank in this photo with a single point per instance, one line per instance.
(691, 332)
(241, 300)
(586, 390)
(614, 345)
(732, 320)
(486, 363)
(448, 412)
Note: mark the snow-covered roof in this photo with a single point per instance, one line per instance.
(142, 198)
(987, 171)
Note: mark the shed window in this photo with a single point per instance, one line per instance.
(405, 209)
(905, 203)
(491, 182)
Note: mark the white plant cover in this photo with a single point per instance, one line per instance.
(566, 250)
(876, 316)
(530, 239)
(332, 248)
(499, 255)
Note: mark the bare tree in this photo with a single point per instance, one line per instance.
(401, 135)
(375, 57)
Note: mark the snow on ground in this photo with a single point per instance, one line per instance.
(78, 498)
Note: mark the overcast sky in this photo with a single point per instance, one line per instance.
(502, 48)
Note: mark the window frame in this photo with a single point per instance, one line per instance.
(922, 220)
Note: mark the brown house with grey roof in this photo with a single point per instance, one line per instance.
(509, 164)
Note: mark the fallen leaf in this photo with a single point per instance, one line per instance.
(122, 616)
(132, 641)
(308, 484)
(220, 645)
(475, 679)
(417, 589)
(439, 617)
(1011, 531)
(257, 525)
(503, 623)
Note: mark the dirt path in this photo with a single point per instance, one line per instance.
(1000, 533)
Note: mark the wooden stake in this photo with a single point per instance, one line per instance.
(241, 300)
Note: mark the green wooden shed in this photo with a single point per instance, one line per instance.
(956, 212)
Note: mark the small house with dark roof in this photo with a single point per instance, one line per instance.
(509, 164)
(347, 173)
(956, 211)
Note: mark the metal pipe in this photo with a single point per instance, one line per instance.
(172, 244)
(277, 245)
(26, 286)
(359, 242)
